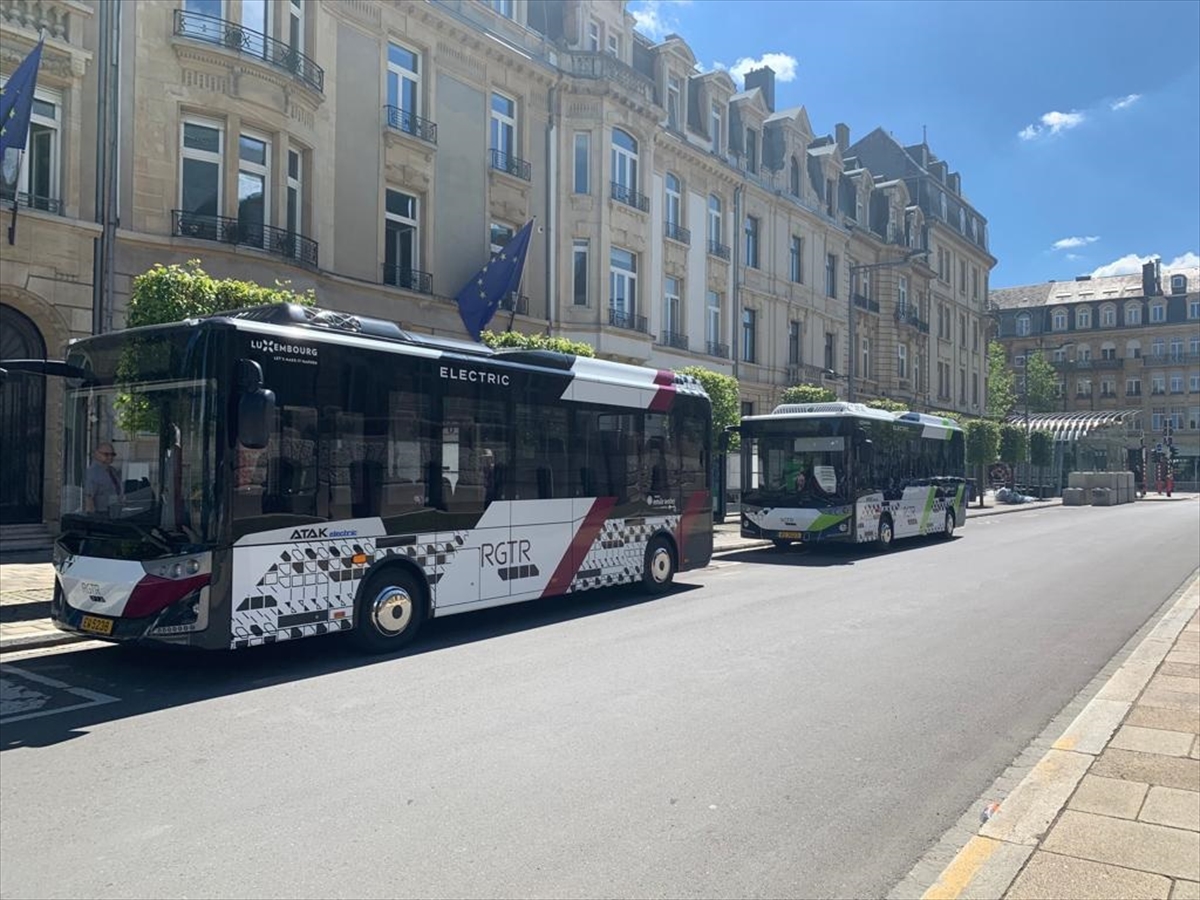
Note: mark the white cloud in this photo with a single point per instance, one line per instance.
(782, 64)
(1129, 264)
(652, 18)
(1074, 257)
(1052, 123)
(1187, 261)
(1066, 243)
(1125, 102)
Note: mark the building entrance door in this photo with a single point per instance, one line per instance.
(22, 422)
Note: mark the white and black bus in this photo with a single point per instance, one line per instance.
(279, 472)
(851, 473)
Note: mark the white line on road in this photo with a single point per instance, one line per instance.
(19, 702)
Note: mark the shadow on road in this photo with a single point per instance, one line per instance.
(831, 554)
(148, 679)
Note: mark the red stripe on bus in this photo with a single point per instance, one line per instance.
(663, 398)
(564, 573)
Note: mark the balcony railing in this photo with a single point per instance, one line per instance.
(403, 120)
(677, 232)
(618, 318)
(908, 316)
(719, 250)
(720, 351)
(409, 279)
(224, 33)
(503, 162)
(605, 67)
(32, 201)
(518, 303)
(674, 339)
(866, 303)
(227, 230)
(1108, 363)
(627, 195)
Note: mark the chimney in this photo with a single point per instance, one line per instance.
(1151, 279)
(763, 78)
(843, 136)
(954, 182)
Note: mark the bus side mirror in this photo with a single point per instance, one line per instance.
(256, 407)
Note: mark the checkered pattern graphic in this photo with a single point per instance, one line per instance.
(619, 551)
(310, 587)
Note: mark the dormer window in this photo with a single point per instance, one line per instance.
(1178, 284)
(794, 178)
(751, 150)
(716, 126)
(674, 98)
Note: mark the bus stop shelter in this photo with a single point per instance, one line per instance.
(1091, 441)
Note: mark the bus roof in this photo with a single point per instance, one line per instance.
(841, 409)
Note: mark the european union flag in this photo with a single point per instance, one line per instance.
(481, 296)
(16, 102)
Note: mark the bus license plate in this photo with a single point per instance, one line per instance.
(96, 625)
(793, 535)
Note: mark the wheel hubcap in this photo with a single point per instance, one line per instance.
(660, 565)
(885, 532)
(950, 523)
(392, 611)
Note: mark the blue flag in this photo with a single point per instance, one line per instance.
(481, 296)
(16, 102)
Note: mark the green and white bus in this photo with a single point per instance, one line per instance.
(846, 472)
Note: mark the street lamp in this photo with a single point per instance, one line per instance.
(904, 260)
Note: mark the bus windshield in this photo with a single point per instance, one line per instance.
(801, 462)
(140, 448)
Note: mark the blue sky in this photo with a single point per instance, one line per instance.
(1075, 124)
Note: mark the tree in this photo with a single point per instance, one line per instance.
(1001, 395)
(1041, 384)
(893, 406)
(724, 392)
(510, 339)
(172, 293)
(1041, 452)
(1014, 446)
(983, 446)
(807, 393)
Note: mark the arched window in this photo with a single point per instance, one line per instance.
(1133, 313)
(1060, 320)
(1023, 325)
(1108, 315)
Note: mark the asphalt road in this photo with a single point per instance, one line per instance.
(783, 724)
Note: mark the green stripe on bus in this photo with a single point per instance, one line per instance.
(928, 510)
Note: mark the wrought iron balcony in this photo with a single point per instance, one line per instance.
(404, 121)
(627, 195)
(518, 303)
(503, 162)
(618, 318)
(720, 351)
(906, 315)
(866, 303)
(228, 230)
(719, 250)
(409, 279)
(224, 33)
(677, 232)
(674, 339)
(606, 67)
(32, 201)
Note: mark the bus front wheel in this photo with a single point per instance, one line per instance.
(659, 569)
(886, 534)
(950, 523)
(390, 610)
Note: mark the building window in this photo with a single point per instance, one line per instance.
(614, 45)
(1158, 347)
(716, 125)
(747, 408)
(1133, 314)
(749, 335)
(296, 25)
(1158, 312)
(866, 358)
(579, 276)
(715, 232)
(1177, 348)
(794, 177)
(583, 160)
(902, 360)
(254, 21)
(962, 330)
(1158, 384)
(254, 179)
(624, 161)
(829, 196)
(1156, 418)
(38, 178)
(962, 387)
(1108, 316)
(200, 172)
(902, 293)
(974, 280)
(1083, 317)
(622, 284)
(712, 321)
(1133, 350)
(1083, 353)
(500, 235)
(1023, 325)
(401, 249)
(1108, 351)
(797, 260)
(1059, 322)
(974, 388)
(504, 130)
(295, 194)
(674, 98)
(404, 85)
(1178, 284)
(831, 351)
(751, 150)
(593, 36)
(1194, 309)
(503, 7)
(831, 274)
(962, 277)
(672, 324)
(752, 242)
(674, 203)
(1176, 383)
(794, 344)
(1194, 347)
(1133, 387)
(975, 336)
(1194, 384)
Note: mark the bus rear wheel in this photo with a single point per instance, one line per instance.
(950, 523)
(659, 569)
(886, 534)
(390, 610)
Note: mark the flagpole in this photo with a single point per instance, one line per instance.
(12, 225)
(513, 315)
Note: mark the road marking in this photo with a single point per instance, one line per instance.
(20, 701)
(960, 872)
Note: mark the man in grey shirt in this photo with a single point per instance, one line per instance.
(102, 485)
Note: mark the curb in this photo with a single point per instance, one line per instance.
(37, 641)
(992, 859)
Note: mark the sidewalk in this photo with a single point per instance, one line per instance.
(1113, 808)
